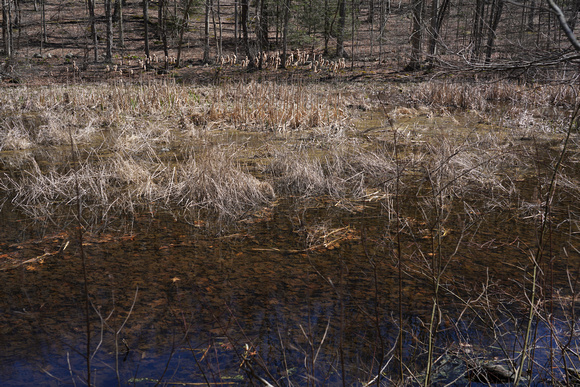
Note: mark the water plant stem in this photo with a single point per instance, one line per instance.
(540, 250)
(83, 260)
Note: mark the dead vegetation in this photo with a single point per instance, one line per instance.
(437, 163)
(226, 150)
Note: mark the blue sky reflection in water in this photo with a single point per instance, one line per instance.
(268, 292)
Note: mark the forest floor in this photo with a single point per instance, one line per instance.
(67, 55)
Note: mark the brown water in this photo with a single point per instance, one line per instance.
(303, 293)
(307, 311)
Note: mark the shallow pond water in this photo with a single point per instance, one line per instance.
(305, 292)
(173, 303)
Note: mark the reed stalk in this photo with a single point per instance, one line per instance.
(83, 260)
(537, 257)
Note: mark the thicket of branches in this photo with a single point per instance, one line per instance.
(414, 34)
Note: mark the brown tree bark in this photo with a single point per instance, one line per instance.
(109, 16)
(340, 52)
(7, 28)
(244, 22)
(206, 32)
(146, 26)
(92, 22)
(182, 27)
(287, 4)
(495, 16)
(438, 11)
(416, 36)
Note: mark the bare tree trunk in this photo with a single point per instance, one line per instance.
(119, 8)
(416, 36)
(264, 25)
(7, 28)
(564, 25)
(244, 21)
(236, 22)
(327, 26)
(182, 27)
(259, 5)
(438, 12)
(206, 32)
(146, 26)
(109, 16)
(434, 34)
(341, 28)
(285, 32)
(44, 35)
(17, 14)
(220, 40)
(574, 16)
(495, 16)
(531, 15)
(93, 21)
(352, 33)
(384, 9)
(215, 32)
(43, 17)
(477, 33)
(163, 28)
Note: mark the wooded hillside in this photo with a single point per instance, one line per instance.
(524, 37)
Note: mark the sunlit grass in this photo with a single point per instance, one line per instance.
(167, 146)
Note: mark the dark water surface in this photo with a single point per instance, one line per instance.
(269, 290)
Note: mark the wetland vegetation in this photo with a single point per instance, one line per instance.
(292, 233)
(287, 193)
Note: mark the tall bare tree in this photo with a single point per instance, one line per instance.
(93, 28)
(182, 27)
(340, 52)
(44, 38)
(109, 16)
(162, 23)
(244, 21)
(118, 18)
(564, 25)
(206, 32)
(7, 27)
(287, 4)
(438, 11)
(146, 26)
(494, 17)
(416, 35)
(477, 31)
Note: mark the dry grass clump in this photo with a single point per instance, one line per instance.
(280, 107)
(252, 106)
(119, 185)
(485, 96)
(470, 167)
(303, 174)
(136, 136)
(141, 137)
(377, 169)
(213, 183)
(13, 135)
(343, 173)
(23, 131)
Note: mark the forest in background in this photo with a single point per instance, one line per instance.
(526, 38)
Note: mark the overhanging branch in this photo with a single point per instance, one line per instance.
(564, 25)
